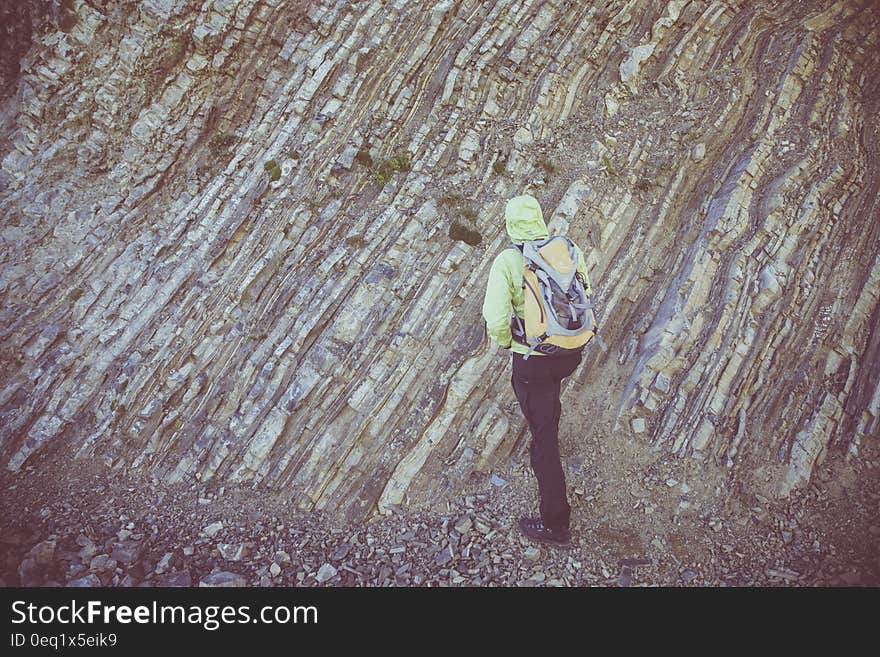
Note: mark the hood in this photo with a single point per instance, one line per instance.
(524, 219)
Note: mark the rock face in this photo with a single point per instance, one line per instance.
(226, 249)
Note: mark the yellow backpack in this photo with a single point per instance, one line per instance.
(559, 316)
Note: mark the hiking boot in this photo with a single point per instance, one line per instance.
(535, 529)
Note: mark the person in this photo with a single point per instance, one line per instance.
(537, 379)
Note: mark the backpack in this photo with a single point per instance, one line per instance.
(559, 316)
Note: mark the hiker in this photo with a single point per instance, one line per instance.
(538, 368)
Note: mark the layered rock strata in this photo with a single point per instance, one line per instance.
(227, 252)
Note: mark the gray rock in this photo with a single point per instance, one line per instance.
(102, 563)
(629, 67)
(325, 573)
(611, 105)
(233, 551)
(161, 8)
(275, 570)
(463, 525)
(522, 137)
(444, 556)
(340, 553)
(164, 563)
(495, 480)
(126, 554)
(213, 529)
(222, 579)
(532, 553)
(89, 581)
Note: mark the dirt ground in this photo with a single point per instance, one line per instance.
(640, 518)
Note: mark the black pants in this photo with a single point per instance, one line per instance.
(537, 383)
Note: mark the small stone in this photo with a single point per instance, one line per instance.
(688, 576)
(281, 557)
(223, 579)
(463, 525)
(444, 556)
(495, 480)
(189, 550)
(786, 537)
(671, 482)
(629, 67)
(611, 105)
(532, 553)
(102, 563)
(164, 563)
(233, 551)
(522, 137)
(638, 425)
(341, 552)
(89, 581)
(699, 152)
(275, 570)
(125, 554)
(325, 573)
(211, 530)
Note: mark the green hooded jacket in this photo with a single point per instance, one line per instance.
(524, 222)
